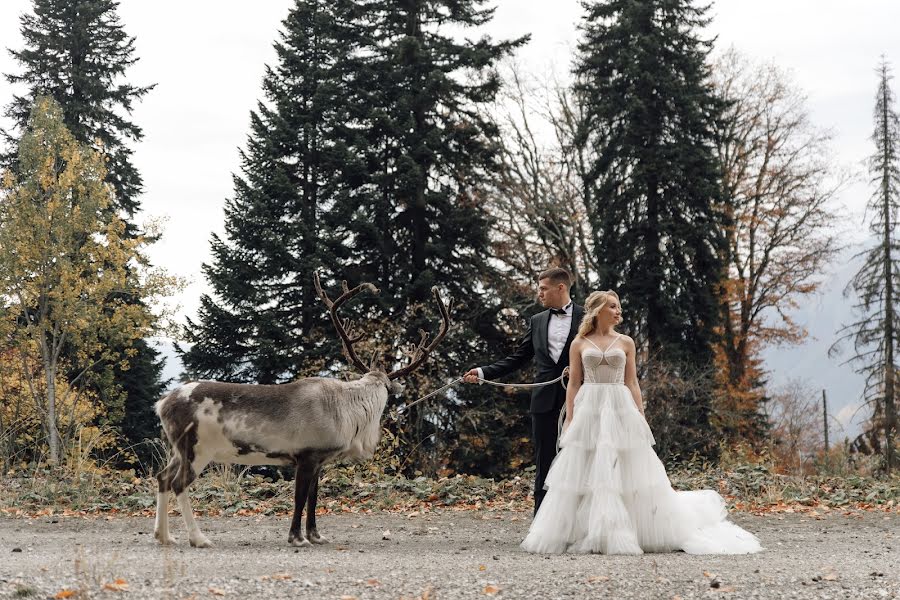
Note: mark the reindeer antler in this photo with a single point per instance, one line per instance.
(421, 351)
(345, 326)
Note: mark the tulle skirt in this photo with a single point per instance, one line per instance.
(608, 492)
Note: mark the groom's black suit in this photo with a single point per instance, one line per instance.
(546, 401)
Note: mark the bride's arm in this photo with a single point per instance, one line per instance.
(576, 375)
(631, 373)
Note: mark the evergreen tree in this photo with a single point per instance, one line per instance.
(876, 334)
(429, 146)
(141, 423)
(654, 196)
(77, 52)
(287, 218)
(362, 164)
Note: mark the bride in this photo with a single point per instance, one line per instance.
(607, 491)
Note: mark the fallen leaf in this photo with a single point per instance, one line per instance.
(216, 591)
(64, 594)
(282, 576)
(349, 598)
(830, 576)
(708, 574)
(119, 585)
(491, 590)
(597, 579)
(373, 582)
(482, 567)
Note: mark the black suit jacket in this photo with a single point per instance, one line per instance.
(534, 345)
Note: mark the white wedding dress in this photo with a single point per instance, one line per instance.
(608, 492)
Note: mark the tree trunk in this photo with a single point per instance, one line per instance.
(52, 430)
(890, 415)
(417, 202)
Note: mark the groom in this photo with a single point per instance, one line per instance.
(547, 341)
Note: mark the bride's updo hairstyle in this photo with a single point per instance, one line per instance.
(592, 306)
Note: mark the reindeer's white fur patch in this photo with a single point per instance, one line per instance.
(214, 438)
(185, 390)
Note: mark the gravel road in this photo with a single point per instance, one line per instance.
(436, 555)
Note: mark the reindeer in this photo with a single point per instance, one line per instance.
(306, 423)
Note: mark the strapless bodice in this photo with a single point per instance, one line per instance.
(603, 366)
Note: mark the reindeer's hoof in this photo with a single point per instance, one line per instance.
(166, 540)
(300, 542)
(315, 538)
(201, 541)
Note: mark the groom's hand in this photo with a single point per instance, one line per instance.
(471, 376)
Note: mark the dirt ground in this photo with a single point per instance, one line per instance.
(437, 555)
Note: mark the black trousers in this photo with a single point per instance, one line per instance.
(544, 431)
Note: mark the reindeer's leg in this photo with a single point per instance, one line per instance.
(186, 475)
(165, 477)
(302, 482)
(312, 534)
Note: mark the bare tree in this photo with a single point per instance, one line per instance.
(795, 421)
(875, 334)
(779, 184)
(538, 199)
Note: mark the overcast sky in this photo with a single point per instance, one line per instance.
(207, 59)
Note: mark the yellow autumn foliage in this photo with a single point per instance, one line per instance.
(22, 432)
(73, 283)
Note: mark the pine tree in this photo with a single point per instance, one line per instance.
(876, 334)
(654, 196)
(363, 165)
(287, 218)
(429, 145)
(77, 52)
(141, 423)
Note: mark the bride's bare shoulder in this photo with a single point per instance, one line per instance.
(579, 342)
(626, 339)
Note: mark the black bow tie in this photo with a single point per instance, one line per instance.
(558, 311)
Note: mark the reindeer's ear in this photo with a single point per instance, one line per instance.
(396, 388)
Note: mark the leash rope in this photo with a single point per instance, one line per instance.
(559, 379)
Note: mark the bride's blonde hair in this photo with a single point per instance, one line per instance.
(592, 305)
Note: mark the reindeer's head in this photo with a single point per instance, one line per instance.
(394, 387)
(418, 355)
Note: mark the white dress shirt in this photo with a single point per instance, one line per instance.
(557, 334)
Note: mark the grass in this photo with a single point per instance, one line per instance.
(227, 490)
